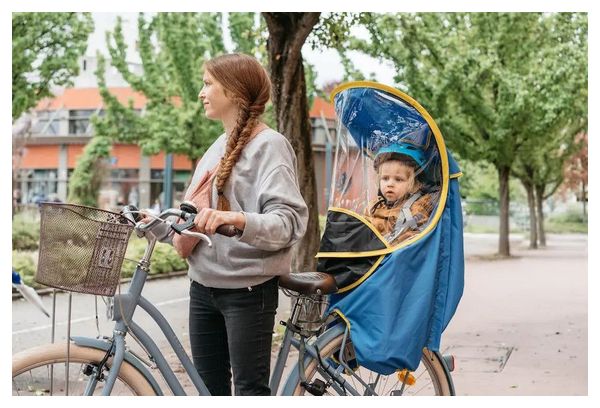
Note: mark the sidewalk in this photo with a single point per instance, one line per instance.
(521, 326)
(520, 329)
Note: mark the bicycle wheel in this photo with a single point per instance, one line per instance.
(32, 371)
(429, 379)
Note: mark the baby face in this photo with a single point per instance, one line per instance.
(396, 179)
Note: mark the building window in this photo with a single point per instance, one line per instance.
(46, 123)
(319, 134)
(120, 187)
(79, 121)
(181, 179)
(37, 185)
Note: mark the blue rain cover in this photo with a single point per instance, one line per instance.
(408, 301)
(375, 118)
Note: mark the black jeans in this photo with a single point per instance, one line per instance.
(232, 330)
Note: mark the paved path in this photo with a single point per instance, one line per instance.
(520, 329)
(521, 326)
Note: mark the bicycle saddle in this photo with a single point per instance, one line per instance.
(309, 283)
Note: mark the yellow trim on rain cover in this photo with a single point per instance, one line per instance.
(362, 278)
(443, 157)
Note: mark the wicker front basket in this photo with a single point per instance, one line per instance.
(81, 248)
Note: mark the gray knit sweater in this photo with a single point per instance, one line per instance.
(264, 186)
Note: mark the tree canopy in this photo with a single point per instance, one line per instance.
(492, 81)
(45, 51)
(173, 48)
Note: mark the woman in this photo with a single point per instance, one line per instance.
(234, 284)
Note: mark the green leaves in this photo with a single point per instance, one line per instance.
(493, 81)
(173, 48)
(45, 52)
(89, 173)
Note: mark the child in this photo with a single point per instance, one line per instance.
(404, 205)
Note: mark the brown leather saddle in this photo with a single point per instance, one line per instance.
(309, 283)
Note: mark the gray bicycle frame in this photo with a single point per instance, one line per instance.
(124, 308)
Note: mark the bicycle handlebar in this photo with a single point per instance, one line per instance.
(187, 213)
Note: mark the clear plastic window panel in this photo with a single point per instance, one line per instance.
(387, 163)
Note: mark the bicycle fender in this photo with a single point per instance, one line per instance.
(446, 371)
(322, 340)
(130, 358)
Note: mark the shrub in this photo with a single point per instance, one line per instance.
(25, 234)
(164, 258)
(23, 262)
(570, 216)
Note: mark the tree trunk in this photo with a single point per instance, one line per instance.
(533, 238)
(287, 34)
(584, 199)
(503, 241)
(539, 192)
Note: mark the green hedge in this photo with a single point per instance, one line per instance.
(164, 260)
(25, 233)
(25, 263)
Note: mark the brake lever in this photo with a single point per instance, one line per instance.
(179, 228)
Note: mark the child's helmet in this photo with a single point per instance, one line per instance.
(405, 149)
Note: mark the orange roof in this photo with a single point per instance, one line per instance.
(321, 105)
(89, 98)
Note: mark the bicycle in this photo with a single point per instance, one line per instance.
(326, 361)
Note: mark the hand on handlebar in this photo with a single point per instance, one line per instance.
(209, 220)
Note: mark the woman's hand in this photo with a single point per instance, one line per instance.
(208, 220)
(145, 217)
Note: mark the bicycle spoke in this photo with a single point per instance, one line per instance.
(429, 375)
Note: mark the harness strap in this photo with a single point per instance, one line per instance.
(405, 217)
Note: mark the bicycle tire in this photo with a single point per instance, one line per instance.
(129, 380)
(431, 364)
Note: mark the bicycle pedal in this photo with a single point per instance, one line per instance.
(317, 387)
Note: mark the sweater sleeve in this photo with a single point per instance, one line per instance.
(283, 214)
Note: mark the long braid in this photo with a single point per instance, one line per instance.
(247, 121)
(247, 83)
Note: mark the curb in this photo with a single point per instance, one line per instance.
(47, 291)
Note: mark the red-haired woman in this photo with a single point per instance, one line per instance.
(251, 174)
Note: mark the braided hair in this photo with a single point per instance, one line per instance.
(247, 83)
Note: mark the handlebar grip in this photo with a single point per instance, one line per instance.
(227, 230)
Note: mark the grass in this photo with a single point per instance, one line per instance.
(552, 227)
(488, 229)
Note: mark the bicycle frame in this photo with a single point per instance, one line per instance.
(124, 308)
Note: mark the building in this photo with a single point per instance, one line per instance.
(60, 128)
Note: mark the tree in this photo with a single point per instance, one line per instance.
(576, 172)
(287, 34)
(45, 52)
(475, 73)
(91, 168)
(172, 47)
(560, 113)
